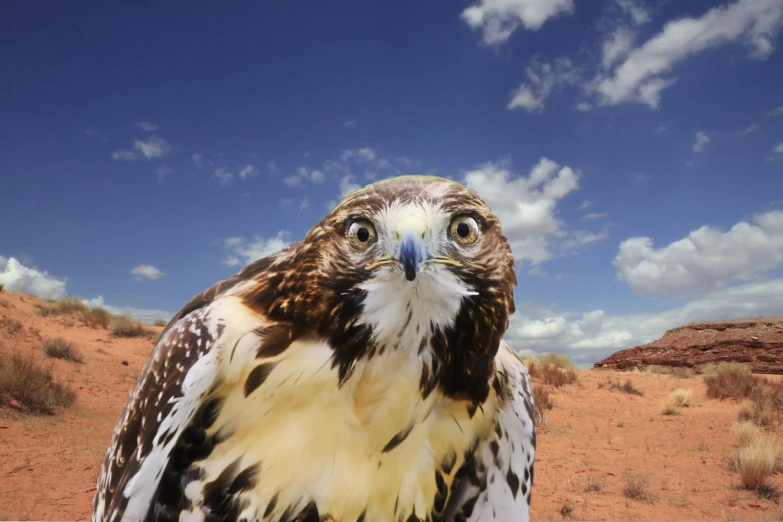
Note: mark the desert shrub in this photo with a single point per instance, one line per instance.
(757, 461)
(681, 397)
(567, 509)
(1, 288)
(627, 387)
(762, 399)
(70, 305)
(160, 322)
(28, 387)
(637, 487)
(59, 348)
(542, 400)
(558, 360)
(594, 484)
(674, 371)
(10, 325)
(745, 432)
(96, 317)
(669, 409)
(124, 326)
(731, 380)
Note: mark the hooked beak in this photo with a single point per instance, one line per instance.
(412, 254)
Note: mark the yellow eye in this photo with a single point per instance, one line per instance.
(464, 230)
(361, 234)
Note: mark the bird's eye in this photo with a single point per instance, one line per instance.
(361, 234)
(464, 230)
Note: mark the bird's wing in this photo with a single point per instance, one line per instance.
(495, 484)
(171, 402)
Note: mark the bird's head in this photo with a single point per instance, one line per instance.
(414, 263)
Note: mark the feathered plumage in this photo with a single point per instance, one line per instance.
(358, 375)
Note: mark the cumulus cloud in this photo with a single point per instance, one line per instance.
(708, 258)
(640, 76)
(616, 46)
(593, 335)
(526, 205)
(198, 159)
(543, 79)
(148, 272)
(702, 139)
(223, 176)
(636, 10)
(256, 248)
(19, 278)
(147, 126)
(154, 147)
(778, 148)
(246, 171)
(123, 155)
(363, 155)
(498, 19)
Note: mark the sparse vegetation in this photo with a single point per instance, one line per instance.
(160, 322)
(2, 287)
(594, 484)
(96, 317)
(669, 409)
(11, 326)
(764, 399)
(745, 432)
(553, 369)
(756, 462)
(542, 401)
(59, 348)
(25, 386)
(681, 397)
(627, 387)
(568, 509)
(124, 326)
(674, 371)
(637, 487)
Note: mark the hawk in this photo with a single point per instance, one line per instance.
(359, 375)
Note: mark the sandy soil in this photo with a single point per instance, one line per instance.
(49, 464)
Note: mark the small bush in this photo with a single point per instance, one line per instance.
(594, 484)
(26, 386)
(160, 322)
(627, 387)
(96, 317)
(2, 287)
(124, 326)
(542, 400)
(757, 461)
(558, 360)
(59, 348)
(745, 432)
(674, 371)
(670, 409)
(567, 510)
(70, 305)
(681, 397)
(731, 380)
(10, 325)
(637, 487)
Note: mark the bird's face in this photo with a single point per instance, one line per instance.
(420, 254)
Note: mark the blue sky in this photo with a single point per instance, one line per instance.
(633, 150)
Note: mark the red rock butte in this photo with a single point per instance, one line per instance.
(757, 341)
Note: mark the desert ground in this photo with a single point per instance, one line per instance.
(603, 454)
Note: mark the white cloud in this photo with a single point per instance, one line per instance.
(223, 176)
(363, 155)
(254, 249)
(537, 271)
(543, 80)
(246, 171)
(616, 46)
(777, 112)
(123, 155)
(750, 128)
(594, 215)
(638, 78)
(594, 335)
(19, 278)
(526, 206)
(154, 147)
(634, 8)
(305, 174)
(148, 272)
(708, 258)
(304, 205)
(702, 139)
(286, 202)
(498, 19)
(347, 186)
(147, 126)
(198, 159)
(349, 123)
(272, 168)
(292, 181)
(584, 107)
(778, 148)
(586, 204)
(140, 314)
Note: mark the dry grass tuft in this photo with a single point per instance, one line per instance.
(756, 462)
(730, 380)
(160, 322)
(567, 510)
(762, 399)
(637, 487)
(627, 387)
(669, 409)
(59, 348)
(10, 325)
(124, 326)
(594, 484)
(674, 371)
(553, 369)
(25, 386)
(97, 317)
(542, 400)
(681, 397)
(745, 432)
